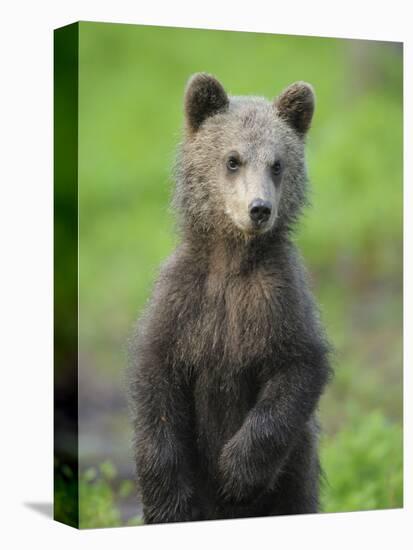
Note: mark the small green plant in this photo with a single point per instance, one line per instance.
(100, 494)
(363, 466)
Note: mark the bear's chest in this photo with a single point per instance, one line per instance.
(231, 321)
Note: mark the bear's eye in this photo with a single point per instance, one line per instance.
(233, 164)
(276, 168)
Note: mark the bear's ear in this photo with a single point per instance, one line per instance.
(204, 97)
(295, 105)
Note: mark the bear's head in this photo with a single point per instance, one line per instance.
(241, 167)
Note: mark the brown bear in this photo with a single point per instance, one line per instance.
(229, 359)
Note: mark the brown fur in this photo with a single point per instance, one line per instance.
(230, 359)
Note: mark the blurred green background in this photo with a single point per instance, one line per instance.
(131, 84)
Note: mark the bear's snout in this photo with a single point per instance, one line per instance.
(260, 211)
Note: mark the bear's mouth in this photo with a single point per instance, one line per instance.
(260, 225)
(251, 229)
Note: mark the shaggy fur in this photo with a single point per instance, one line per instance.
(229, 359)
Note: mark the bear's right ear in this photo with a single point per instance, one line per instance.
(204, 97)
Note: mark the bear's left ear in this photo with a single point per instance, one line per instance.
(295, 105)
(204, 97)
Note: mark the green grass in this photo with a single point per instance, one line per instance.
(131, 86)
(363, 465)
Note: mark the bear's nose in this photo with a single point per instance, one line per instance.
(260, 211)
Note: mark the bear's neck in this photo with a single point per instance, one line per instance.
(239, 256)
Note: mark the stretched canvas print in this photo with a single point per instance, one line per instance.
(228, 275)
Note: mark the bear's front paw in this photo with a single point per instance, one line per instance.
(238, 476)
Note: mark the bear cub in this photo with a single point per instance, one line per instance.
(230, 359)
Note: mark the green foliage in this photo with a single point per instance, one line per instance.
(66, 495)
(101, 494)
(97, 505)
(363, 466)
(351, 187)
